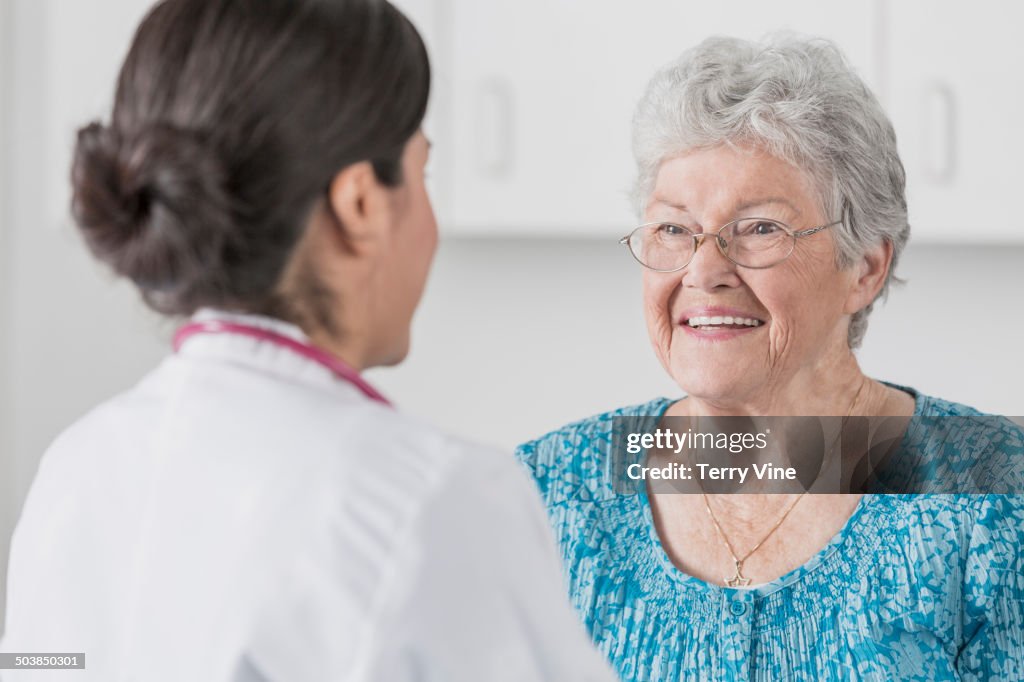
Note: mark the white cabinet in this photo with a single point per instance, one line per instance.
(543, 93)
(431, 20)
(532, 100)
(85, 43)
(954, 92)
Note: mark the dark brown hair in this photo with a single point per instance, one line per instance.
(230, 119)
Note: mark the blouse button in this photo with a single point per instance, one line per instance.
(738, 608)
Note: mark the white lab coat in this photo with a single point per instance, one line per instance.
(242, 514)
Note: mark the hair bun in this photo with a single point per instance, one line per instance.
(154, 205)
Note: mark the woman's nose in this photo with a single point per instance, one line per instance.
(709, 268)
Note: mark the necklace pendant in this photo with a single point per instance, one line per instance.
(737, 580)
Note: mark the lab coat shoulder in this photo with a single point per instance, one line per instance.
(486, 600)
(364, 543)
(70, 525)
(445, 552)
(90, 460)
(109, 430)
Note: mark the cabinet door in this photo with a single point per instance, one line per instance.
(86, 43)
(953, 87)
(431, 21)
(544, 92)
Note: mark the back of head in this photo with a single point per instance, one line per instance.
(231, 118)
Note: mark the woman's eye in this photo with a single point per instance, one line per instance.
(668, 229)
(765, 227)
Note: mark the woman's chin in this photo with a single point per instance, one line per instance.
(395, 356)
(721, 387)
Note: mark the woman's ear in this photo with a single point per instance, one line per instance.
(871, 272)
(360, 205)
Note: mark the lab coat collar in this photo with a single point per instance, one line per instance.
(261, 355)
(262, 321)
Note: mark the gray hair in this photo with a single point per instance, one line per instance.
(799, 100)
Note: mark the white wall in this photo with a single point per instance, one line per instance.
(516, 337)
(7, 488)
(68, 335)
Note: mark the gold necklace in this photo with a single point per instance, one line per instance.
(738, 579)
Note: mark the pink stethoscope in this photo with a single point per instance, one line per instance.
(340, 369)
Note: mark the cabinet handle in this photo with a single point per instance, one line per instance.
(495, 133)
(939, 106)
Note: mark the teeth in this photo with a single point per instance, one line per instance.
(716, 321)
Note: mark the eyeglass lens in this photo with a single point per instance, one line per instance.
(751, 242)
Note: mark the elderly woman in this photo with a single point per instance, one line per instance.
(773, 211)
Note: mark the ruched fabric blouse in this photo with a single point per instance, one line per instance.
(913, 587)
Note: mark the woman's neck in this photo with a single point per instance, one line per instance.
(837, 388)
(348, 349)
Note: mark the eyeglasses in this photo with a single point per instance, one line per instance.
(747, 242)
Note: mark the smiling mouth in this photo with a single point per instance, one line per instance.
(712, 323)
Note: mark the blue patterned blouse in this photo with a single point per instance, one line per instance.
(914, 587)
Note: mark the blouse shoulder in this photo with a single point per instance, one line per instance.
(993, 589)
(574, 461)
(961, 552)
(996, 549)
(956, 448)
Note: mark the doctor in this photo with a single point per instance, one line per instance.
(253, 509)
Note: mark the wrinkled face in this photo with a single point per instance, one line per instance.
(796, 307)
(412, 242)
